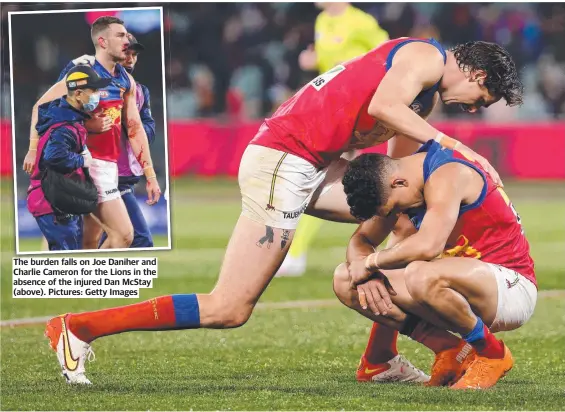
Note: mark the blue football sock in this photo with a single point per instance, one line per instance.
(187, 312)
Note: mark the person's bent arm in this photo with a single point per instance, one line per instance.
(416, 67)
(443, 194)
(57, 90)
(139, 143)
(60, 152)
(368, 236)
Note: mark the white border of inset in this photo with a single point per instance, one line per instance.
(165, 133)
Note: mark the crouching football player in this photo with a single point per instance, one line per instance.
(483, 282)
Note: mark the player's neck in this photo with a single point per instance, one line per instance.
(451, 73)
(336, 9)
(411, 168)
(106, 61)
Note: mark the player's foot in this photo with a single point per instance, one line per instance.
(451, 364)
(484, 372)
(293, 266)
(71, 351)
(398, 369)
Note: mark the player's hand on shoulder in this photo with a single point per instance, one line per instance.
(98, 123)
(84, 59)
(153, 191)
(485, 164)
(308, 59)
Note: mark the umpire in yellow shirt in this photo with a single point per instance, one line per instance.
(343, 32)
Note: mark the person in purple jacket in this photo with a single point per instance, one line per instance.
(62, 148)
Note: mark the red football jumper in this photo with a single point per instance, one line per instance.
(320, 121)
(489, 229)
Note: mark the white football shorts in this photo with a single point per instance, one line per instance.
(517, 298)
(104, 174)
(277, 187)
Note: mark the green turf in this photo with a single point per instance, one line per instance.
(293, 359)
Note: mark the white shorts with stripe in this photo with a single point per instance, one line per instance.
(277, 187)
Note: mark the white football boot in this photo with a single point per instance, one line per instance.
(398, 369)
(71, 351)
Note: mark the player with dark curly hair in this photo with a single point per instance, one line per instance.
(483, 281)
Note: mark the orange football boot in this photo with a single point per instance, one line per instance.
(484, 372)
(451, 364)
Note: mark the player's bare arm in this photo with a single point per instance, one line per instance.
(139, 143)
(443, 193)
(362, 244)
(368, 236)
(400, 86)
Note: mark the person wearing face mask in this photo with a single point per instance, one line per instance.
(62, 148)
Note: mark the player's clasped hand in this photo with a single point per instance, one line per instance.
(375, 293)
(358, 272)
(98, 123)
(153, 191)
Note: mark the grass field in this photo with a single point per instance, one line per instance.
(294, 356)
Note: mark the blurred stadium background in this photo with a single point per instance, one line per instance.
(228, 66)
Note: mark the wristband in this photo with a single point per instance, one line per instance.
(149, 172)
(372, 261)
(447, 141)
(33, 143)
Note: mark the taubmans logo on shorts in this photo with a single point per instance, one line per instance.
(109, 192)
(295, 214)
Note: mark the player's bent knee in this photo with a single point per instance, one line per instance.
(235, 318)
(420, 280)
(341, 285)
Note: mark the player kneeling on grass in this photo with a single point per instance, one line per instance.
(62, 149)
(483, 282)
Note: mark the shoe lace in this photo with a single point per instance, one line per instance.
(405, 362)
(90, 354)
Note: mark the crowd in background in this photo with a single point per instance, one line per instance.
(240, 60)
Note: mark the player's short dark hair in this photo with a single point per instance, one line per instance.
(365, 184)
(102, 23)
(502, 80)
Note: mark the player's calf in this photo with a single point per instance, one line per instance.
(223, 312)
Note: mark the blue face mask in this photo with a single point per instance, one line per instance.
(92, 104)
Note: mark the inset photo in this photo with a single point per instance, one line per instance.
(89, 134)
